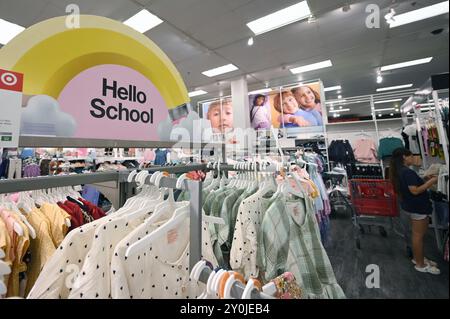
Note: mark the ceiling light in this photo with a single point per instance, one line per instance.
(312, 67)
(423, 92)
(333, 88)
(380, 115)
(388, 101)
(220, 70)
(197, 93)
(9, 31)
(280, 18)
(340, 107)
(251, 41)
(339, 97)
(420, 14)
(392, 114)
(379, 77)
(385, 110)
(398, 87)
(335, 115)
(406, 64)
(332, 108)
(143, 21)
(262, 91)
(339, 111)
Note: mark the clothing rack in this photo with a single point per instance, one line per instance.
(121, 178)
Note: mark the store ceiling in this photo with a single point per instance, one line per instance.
(202, 34)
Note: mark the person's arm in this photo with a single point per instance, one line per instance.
(417, 190)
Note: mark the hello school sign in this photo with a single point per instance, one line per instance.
(111, 102)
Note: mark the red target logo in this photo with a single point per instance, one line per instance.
(8, 79)
(11, 80)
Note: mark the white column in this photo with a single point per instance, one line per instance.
(241, 107)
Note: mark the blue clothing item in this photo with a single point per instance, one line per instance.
(312, 116)
(27, 152)
(388, 145)
(91, 194)
(415, 204)
(161, 157)
(441, 213)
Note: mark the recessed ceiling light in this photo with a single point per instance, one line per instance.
(406, 64)
(333, 88)
(197, 93)
(419, 14)
(398, 87)
(251, 41)
(9, 31)
(380, 115)
(220, 70)
(379, 78)
(280, 18)
(262, 91)
(339, 97)
(312, 67)
(388, 101)
(143, 21)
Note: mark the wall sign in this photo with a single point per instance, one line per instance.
(113, 102)
(11, 84)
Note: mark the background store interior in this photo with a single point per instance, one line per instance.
(202, 34)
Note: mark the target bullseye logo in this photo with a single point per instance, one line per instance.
(11, 81)
(8, 79)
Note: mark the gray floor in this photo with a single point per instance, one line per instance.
(398, 278)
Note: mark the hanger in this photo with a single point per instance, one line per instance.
(249, 288)
(179, 216)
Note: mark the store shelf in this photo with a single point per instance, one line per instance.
(56, 142)
(389, 120)
(350, 123)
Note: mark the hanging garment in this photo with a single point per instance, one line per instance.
(365, 151)
(57, 218)
(58, 276)
(243, 255)
(341, 152)
(307, 258)
(18, 266)
(411, 139)
(161, 157)
(388, 145)
(287, 287)
(162, 270)
(32, 170)
(94, 279)
(41, 248)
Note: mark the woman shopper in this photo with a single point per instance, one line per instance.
(415, 200)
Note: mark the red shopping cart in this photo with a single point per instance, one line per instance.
(372, 201)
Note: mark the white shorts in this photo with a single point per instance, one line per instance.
(417, 216)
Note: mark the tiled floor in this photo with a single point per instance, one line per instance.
(398, 278)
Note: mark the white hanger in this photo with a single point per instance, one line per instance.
(231, 281)
(179, 216)
(209, 284)
(249, 288)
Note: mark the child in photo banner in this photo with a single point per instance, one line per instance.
(259, 115)
(309, 101)
(291, 115)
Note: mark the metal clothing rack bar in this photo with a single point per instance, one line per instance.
(29, 184)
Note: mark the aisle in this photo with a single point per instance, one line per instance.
(398, 278)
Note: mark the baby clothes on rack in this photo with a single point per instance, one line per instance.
(411, 138)
(388, 145)
(365, 151)
(340, 151)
